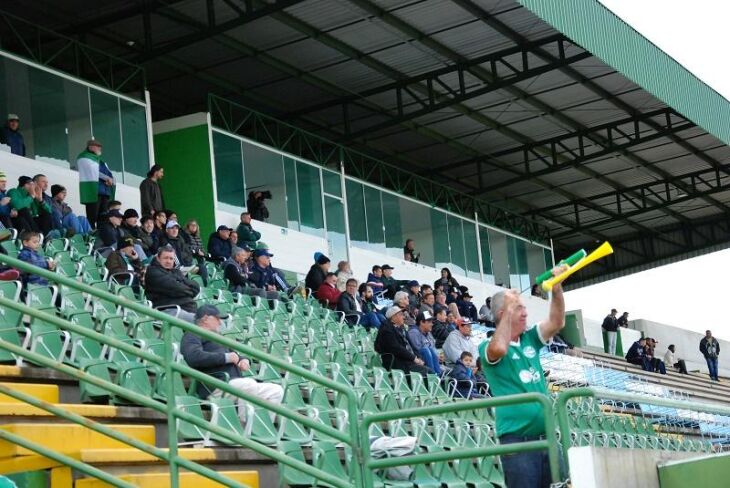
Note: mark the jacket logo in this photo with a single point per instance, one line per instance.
(529, 352)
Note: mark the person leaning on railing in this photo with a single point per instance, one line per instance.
(511, 362)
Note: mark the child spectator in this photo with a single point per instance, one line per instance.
(466, 386)
(31, 241)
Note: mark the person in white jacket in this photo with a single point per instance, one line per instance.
(458, 341)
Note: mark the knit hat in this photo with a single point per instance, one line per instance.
(322, 259)
(129, 213)
(56, 189)
(3, 177)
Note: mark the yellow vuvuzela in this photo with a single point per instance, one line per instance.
(603, 250)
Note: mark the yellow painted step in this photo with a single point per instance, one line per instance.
(47, 393)
(23, 409)
(70, 437)
(6, 370)
(187, 480)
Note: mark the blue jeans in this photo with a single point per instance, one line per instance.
(431, 358)
(79, 224)
(372, 319)
(526, 469)
(712, 366)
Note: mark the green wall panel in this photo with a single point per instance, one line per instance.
(188, 182)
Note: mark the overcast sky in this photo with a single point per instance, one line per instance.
(691, 294)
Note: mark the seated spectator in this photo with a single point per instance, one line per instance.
(441, 328)
(370, 302)
(427, 302)
(160, 219)
(344, 273)
(425, 288)
(219, 245)
(440, 299)
(191, 235)
(64, 216)
(10, 135)
(401, 299)
(183, 255)
(414, 294)
(409, 251)
(129, 228)
(28, 204)
(317, 272)
(375, 279)
(485, 313)
(238, 270)
(328, 294)
(466, 308)
(393, 346)
(168, 288)
(459, 341)
(351, 304)
(6, 210)
(423, 343)
(233, 239)
(220, 362)
(623, 320)
(263, 274)
(125, 263)
(673, 361)
(446, 283)
(148, 236)
(31, 241)
(463, 373)
(150, 192)
(44, 212)
(390, 284)
(246, 235)
(657, 364)
(637, 355)
(109, 232)
(170, 215)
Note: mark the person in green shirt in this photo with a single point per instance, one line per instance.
(511, 363)
(31, 211)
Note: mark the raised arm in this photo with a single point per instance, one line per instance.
(556, 318)
(499, 344)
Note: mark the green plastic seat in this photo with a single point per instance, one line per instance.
(289, 476)
(259, 426)
(443, 471)
(48, 340)
(41, 296)
(11, 323)
(326, 458)
(132, 376)
(224, 414)
(11, 247)
(186, 431)
(82, 347)
(98, 368)
(78, 247)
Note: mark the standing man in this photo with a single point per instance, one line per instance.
(96, 182)
(511, 361)
(246, 235)
(150, 192)
(610, 325)
(11, 136)
(710, 349)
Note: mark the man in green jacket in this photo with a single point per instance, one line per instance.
(32, 212)
(390, 284)
(246, 235)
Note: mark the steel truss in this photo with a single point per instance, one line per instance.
(246, 122)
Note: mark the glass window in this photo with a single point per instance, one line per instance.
(356, 214)
(229, 178)
(106, 128)
(336, 240)
(548, 258)
(416, 224)
(391, 217)
(310, 199)
(535, 262)
(292, 193)
(517, 256)
(48, 106)
(500, 262)
(486, 255)
(471, 248)
(456, 245)
(134, 138)
(440, 237)
(331, 182)
(264, 171)
(78, 120)
(374, 218)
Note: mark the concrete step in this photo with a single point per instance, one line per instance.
(67, 438)
(47, 393)
(187, 480)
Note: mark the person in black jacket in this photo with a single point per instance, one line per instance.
(220, 362)
(109, 232)
(150, 193)
(352, 305)
(317, 272)
(238, 271)
(637, 355)
(710, 349)
(219, 244)
(166, 286)
(256, 206)
(610, 325)
(393, 346)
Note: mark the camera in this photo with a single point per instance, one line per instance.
(266, 195)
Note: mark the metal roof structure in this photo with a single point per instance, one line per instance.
(555, 110)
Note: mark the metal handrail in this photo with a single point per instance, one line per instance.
(561, 407)
(352, 438)
(549, 443)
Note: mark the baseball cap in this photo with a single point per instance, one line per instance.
(115, 213)
(424, 316)
(172, 223)
(390, 313)
(13, 117)
(262, 252)
(465, 322)
(223, 227)
(93, 142)
(386, 266)
(212, 310)
(466, 295)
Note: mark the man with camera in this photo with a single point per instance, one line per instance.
(256, 206)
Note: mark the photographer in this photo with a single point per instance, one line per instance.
(256, 206)
(409, 251)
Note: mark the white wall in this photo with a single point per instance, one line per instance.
(15, 166)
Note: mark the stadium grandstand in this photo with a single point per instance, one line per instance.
(259, 244)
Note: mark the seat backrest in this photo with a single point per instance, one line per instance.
(10, 318)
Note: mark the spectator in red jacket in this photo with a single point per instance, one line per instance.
(328, 293)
